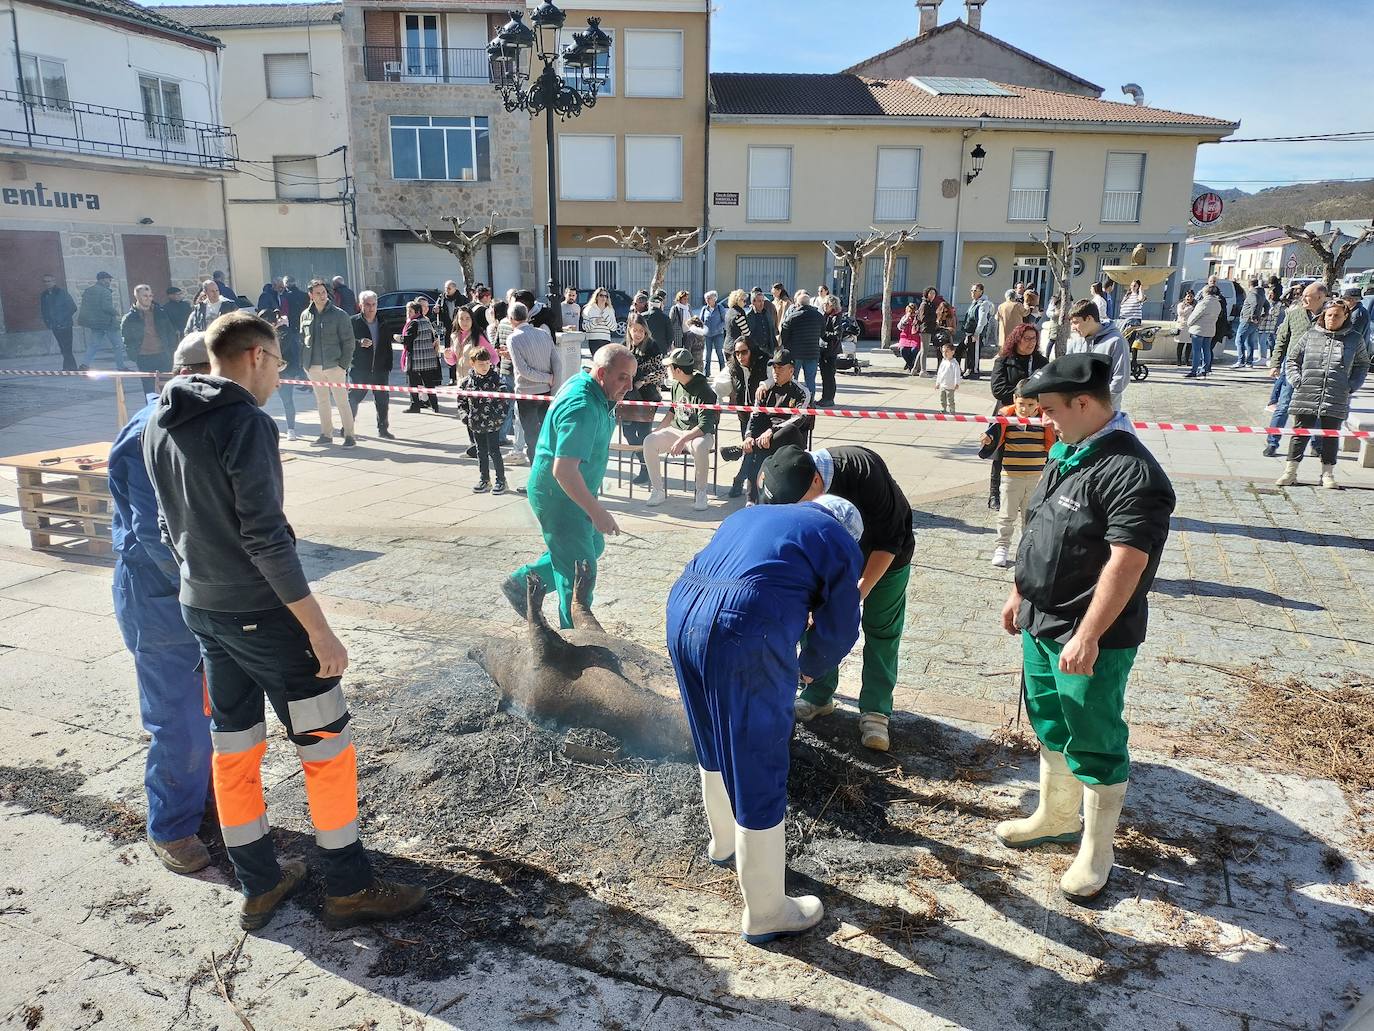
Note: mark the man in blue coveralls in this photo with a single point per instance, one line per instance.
(734, 619)
(171, 693)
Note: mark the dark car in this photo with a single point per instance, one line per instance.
(620, 301)
(391, 310)
(869, 311)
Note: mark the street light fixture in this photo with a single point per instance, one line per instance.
(586, 68)
(978, 154)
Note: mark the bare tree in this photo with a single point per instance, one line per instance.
(464, 246)
(891, 243)
(1333, 260)
(1060, 245)
(852, 257)
(661, 249)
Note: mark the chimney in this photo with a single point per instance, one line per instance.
(930, 14)
(1135, 93)
(974, 9)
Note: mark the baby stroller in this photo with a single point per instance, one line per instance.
(1140, 339)
(848, 359)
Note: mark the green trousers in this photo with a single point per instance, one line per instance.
(884, 615)
(1081, 716)
(570, 538)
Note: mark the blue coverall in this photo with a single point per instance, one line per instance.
(734, 619)
(171, 694)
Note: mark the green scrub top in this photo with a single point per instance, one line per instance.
(579, 425)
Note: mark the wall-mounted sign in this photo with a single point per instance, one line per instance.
(725, 200)
(987, 266)
(1292, 263)
(39, 196)
(1206, 209)
(1078, 267)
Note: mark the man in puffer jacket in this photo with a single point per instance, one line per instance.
(801, 334)
(1326, 365)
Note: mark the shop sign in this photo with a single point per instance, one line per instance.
(39, 196)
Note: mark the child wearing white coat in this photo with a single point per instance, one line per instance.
(947, 378)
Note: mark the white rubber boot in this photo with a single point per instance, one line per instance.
(1289, 477)
(1056, 817)
(1088, 875)
(720, 817)
(1329, 477)
(761, 864)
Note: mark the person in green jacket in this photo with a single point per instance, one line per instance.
(326, 353)
(685, 428)
(565, 479)
(97, 315)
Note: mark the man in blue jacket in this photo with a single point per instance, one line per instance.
(734, 619)
(166, 654)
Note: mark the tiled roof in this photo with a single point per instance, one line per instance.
(139, 13)
(939, 29)
(843, 95)
(246, 16)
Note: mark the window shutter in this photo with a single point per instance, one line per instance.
(770, 168)
(586, 168)
(653, 63)
(1125, 172)
(1030, 170)
(288, 76)
(653, 168)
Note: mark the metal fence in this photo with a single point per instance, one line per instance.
(425, 64)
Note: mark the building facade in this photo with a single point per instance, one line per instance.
(638, 156)
(902, 152)
(431, 139)
(113, 155)
(290, 208)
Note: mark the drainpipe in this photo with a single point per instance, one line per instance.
(958, 207)
(19, 74)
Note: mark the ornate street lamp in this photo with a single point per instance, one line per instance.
(978, 154)
(586, 68)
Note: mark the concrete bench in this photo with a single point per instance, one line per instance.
(1361, 417)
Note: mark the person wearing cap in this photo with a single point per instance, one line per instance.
(97, 315)
(166, 655)
(768, 431)
(734, 619)
(658, 324)
(685, 429)
(861, 477)
(1091, 544)
(1359, 314)
(1092, 336)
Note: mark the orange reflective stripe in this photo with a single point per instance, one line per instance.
(331, 787)
(238, 785)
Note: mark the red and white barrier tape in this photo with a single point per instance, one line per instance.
(898, 414)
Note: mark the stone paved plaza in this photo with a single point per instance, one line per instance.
(1243, 898)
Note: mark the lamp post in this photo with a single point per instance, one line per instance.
(586, 68)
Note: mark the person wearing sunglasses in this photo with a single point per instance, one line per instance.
(748, 372)
(599, 320)
(211, 452)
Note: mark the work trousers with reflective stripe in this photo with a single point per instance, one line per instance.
(250, 656)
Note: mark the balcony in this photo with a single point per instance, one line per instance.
(769, 203)
(894, 205)
(1121, 206)
(71, 127)
(462, 67)
(1028, 206)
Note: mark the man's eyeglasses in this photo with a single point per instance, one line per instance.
(281, 362)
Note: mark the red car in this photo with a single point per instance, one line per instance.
(869, 311)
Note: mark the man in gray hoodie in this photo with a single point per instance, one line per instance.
(212, 454)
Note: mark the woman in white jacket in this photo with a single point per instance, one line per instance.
(598, 319)
(1202, 326)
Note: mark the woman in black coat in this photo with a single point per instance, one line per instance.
(1019, 357)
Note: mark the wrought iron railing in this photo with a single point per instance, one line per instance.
(77, 128)
(769, 203)
(460, 66)
(1121, 206)
(1028, 206)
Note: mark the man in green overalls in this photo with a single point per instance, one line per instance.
(1093, 538)
(565, 478)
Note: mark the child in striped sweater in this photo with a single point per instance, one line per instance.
(1025, 449)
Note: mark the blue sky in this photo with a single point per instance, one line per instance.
(1236, 59)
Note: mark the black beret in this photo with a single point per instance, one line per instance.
(1069, 374)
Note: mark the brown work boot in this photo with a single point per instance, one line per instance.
(258, 909)
(380, 900)
(185, 855)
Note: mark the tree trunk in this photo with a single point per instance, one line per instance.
(856, 272)
(660, 275)
(465, 263)
(889, 267)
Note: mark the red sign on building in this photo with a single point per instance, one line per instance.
(1206, 209)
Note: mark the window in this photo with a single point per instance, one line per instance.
(1124, 182)
(421, 55)
(653, 168)
(1030, 186)
(770, 184)
(565, 40)
(899, 176)
(873, 276)
(45, 82)
(162, 109)
(288, 76)
(586, 167)
(752, 272)
(297, 177)
(454, 149)
(653, 63)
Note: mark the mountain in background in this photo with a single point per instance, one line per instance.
(1292, 205)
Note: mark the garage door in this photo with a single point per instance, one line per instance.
(764, 272)
(420, 266)
(305, 263)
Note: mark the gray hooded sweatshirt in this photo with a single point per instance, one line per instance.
(211, 453)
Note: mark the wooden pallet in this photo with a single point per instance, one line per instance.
(65, 505)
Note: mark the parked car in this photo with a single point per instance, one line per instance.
(391, 310)
(1231, 292)
(1361, 280)
(620, 301)
(869, 311)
